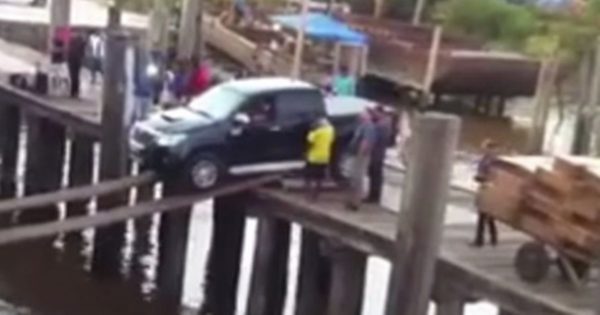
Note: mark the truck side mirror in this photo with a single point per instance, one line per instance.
(241, 119)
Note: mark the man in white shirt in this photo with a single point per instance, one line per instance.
(96, 51)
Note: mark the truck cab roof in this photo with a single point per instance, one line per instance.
(267, 84)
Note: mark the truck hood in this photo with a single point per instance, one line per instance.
(177, 120)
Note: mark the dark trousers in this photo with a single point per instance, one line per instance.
(485, 221)
(75, 76)
(375, 180)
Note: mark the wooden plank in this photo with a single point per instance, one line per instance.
(347, 283)
(314, 279)
(223, 265)
(44, 108)
(108, 241)
(269, 271)
(10, 122)
(119, 214)
(44, 165)
(80, 171)
(173, 240)
(75, 193)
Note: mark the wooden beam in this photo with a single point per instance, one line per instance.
(269, 272)
(80, 171)
(223, 265)
(108, 241)
(60, 16)
(75, 193)
(123, 213)
(422, 214)
(450, 307)
(314, 276)
(44, 165)
(503, 311)
(299, 49)
(545, 87)
(10, 122)
(43, 108)
(173, 239)
(348, 279)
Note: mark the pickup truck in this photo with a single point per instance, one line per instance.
(241, 128)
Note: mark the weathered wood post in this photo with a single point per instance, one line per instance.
(44, 165)
(314, 278)
(347, 281)
(109, 240)
(450, 301)
(173, 240)
(81, 169)
(422, 214)
(10, 123)
(545, 87)
(269, 273)
(188, 29)
(223, 265)
(505, 312)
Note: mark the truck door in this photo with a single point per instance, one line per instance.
(253, 146)
(296, 112)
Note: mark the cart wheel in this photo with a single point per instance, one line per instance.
(580, 268)
(532, 262)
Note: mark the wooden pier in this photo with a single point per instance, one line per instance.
(462, 274)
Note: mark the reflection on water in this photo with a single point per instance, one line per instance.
(55, 280)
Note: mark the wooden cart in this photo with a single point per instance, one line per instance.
(554, 200)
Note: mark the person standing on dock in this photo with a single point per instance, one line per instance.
(320, 140)
(344, 84)
(96, 54)
(360, 148)
(75, 56)
(382, 127)
(490, 154)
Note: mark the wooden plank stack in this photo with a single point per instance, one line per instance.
(556, 201)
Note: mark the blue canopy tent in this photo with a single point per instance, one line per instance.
(322, 27)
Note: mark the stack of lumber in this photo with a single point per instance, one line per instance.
(556, 200)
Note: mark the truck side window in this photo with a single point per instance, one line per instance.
(299, 106)
(261, 110)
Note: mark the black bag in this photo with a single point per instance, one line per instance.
(40, 85)
(18, 80)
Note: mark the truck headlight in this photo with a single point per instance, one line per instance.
(168, 140)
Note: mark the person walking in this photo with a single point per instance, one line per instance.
(320, 141)
(96, 53)
(344, 84)
(75, 56)
(143, 89)
(200, 78)
(484, 221)
(361, 148)
(383, 130)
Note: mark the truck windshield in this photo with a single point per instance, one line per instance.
(217, 103)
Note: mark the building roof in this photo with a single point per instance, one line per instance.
(259, 85)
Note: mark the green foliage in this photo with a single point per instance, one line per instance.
(517, 26)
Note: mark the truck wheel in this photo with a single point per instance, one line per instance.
(341, 166)
(204, 171)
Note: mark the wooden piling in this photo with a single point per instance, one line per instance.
(450, 302)
(173, 239)
(506, 312)
(422, 214)
(223, 265)
(9, 148)
(44, 165)
(347, 283)
(269, 273)
(108, 241)
(80, 170)
(314, 276)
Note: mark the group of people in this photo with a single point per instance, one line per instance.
(74, 48)
(367, 151)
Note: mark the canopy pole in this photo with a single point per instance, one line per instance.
(297, 65)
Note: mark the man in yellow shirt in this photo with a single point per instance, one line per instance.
(320, 141)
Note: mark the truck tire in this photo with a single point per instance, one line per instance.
(204, 171)
(339, 167)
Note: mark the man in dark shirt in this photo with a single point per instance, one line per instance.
(490, 154)
(382, 127)
(75, 56)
